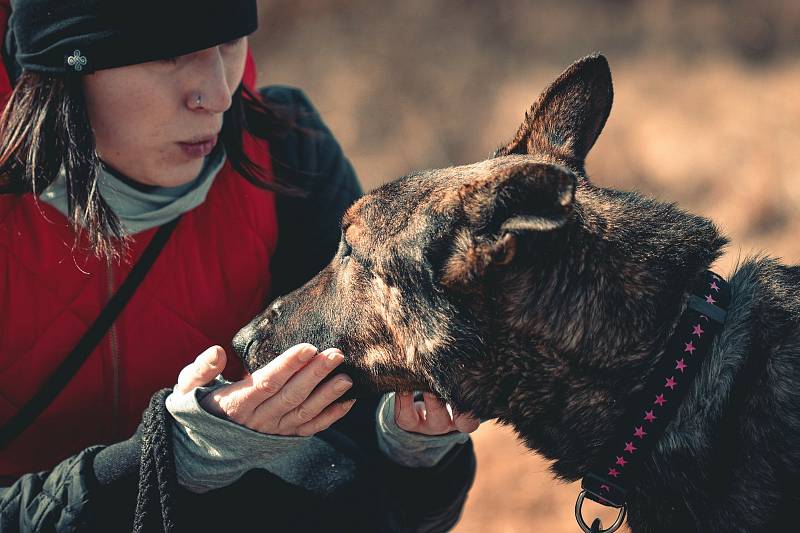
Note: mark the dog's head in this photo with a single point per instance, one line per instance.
(411, 296)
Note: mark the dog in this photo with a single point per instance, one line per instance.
(516, 289)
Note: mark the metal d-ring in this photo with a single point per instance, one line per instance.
(586, 527)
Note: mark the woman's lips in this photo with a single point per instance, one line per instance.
(200, 148)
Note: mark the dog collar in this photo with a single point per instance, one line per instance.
(617, 469)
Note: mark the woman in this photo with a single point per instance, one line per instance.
(124, 118)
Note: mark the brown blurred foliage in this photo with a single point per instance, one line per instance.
(706, 114)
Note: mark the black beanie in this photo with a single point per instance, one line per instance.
(81, 36)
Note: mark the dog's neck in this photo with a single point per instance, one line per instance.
(590, 312)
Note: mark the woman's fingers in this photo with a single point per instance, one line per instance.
(282, 398)
(330, 415)
(271, 379)
(325, 395)
(240, 399)
(437, 419)
(430, 416)
(203, 369)
(300, 386)
(405, 413)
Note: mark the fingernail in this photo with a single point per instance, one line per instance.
(308, 353)
(342, 385)
(334, 358)
(348, 404)
(212, 358)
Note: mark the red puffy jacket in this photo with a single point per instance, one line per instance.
(211, 278)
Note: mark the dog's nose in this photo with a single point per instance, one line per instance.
(242, 339)
(245, 338)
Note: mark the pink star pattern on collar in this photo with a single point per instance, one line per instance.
(616, 469)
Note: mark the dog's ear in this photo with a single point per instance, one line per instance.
(515, 202)
(569, 115)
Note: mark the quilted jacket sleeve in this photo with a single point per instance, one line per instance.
(70, 497)
(49, 501)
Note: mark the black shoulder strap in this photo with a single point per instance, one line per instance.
(69, 367)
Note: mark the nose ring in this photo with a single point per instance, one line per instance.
(198, 100)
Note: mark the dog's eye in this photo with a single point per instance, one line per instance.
(346, 250)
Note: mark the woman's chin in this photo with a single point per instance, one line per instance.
(177, 175)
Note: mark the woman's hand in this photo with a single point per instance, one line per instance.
(430, 417)
(280, 398)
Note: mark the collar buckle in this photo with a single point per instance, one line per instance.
(597, 526)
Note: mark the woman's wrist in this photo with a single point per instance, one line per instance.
(119, 461)
(211, 451)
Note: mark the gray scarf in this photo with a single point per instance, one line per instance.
(138, 210)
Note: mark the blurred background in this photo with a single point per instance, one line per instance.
(706, 113)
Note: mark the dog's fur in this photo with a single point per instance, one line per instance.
(516, 289)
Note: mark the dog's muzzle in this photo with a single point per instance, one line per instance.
(245, 341)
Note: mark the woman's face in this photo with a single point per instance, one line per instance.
(146, 118)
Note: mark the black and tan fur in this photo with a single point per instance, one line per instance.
(517, 289)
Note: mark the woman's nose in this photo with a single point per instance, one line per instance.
(210, 90)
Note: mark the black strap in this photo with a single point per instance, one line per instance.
(70, 366)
